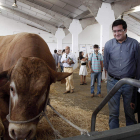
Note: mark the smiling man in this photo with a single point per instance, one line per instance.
(121, 60)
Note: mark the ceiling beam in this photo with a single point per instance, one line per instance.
(38, 28)
(61, 18)
(121, 7)
(81, 16)
(110, 1)
(130, 11)
(38, 7)
(138, 20)
(48, 27)
(93, 6)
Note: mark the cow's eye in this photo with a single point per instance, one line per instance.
(11, 88)
(12, 91)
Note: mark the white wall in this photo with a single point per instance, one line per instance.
(90, 35)
(10, 26)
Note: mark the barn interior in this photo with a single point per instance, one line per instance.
(58, 22)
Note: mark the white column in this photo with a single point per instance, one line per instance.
(105, 18)
(75, 47)
(75, 29)
(60, 34)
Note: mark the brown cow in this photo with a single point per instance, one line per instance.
(27, 71)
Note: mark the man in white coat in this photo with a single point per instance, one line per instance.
(68, 59)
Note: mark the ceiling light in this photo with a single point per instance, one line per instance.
(15, 4)
(1, 7)
(133, 10)
(136, 9)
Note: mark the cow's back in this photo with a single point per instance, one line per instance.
(12, 47)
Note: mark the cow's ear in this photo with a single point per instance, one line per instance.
(4, 78)
(58, 76)
(61, 75)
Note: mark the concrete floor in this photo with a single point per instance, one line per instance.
(81, 96)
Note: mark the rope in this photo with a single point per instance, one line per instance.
(55, 131)
(83, 131)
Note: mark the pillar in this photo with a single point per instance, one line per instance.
(60, 34)
(75, 29)
(105, 18)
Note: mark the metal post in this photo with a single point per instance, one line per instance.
(118, 85)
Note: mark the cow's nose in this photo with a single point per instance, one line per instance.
(20, 135)
(21, 131)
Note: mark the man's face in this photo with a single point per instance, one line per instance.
(119, 33)
(103, 51)
(67, 50)
(96, 50)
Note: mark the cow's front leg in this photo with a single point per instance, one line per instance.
(2, 129)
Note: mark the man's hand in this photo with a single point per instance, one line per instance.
(91, 71)
(69, 61)
(132, 105)
(64, 61)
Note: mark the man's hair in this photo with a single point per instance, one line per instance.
(80, 55)
(119, 22)
(55, 51)
(63, 51)
(95, 46)
(68, 47)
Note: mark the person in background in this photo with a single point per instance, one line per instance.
(103, 65)
(83, 69)
(121, 60)
(61, 64)
(56, 58)
(95, 65)
(68, 59)
(135, 102)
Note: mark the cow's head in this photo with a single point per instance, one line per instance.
(30, 81)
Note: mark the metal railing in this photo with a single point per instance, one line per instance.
(118, 85)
